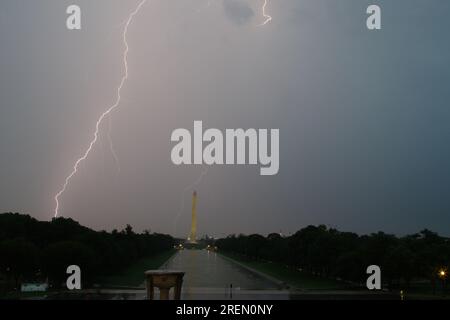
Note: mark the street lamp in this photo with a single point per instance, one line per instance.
(442, 273)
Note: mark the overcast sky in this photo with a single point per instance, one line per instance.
(364, 116)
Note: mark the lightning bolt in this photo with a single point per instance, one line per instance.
(265, 15)
(186, 189)
(111, 146)
(104, 114)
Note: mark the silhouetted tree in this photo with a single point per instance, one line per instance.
(27, 245)
(345, 255)
(18, 259)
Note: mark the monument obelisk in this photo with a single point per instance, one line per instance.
(193, 235)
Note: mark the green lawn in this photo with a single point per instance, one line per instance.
(133, 276)
(16, 295)
(291, 276)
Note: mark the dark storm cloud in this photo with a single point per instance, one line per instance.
(238, 11)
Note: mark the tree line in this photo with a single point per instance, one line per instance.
(36, 250)
(327, 252)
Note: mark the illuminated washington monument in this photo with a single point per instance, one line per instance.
(193, 236)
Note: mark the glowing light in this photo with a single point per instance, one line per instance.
(104, 114)
(265, 15)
